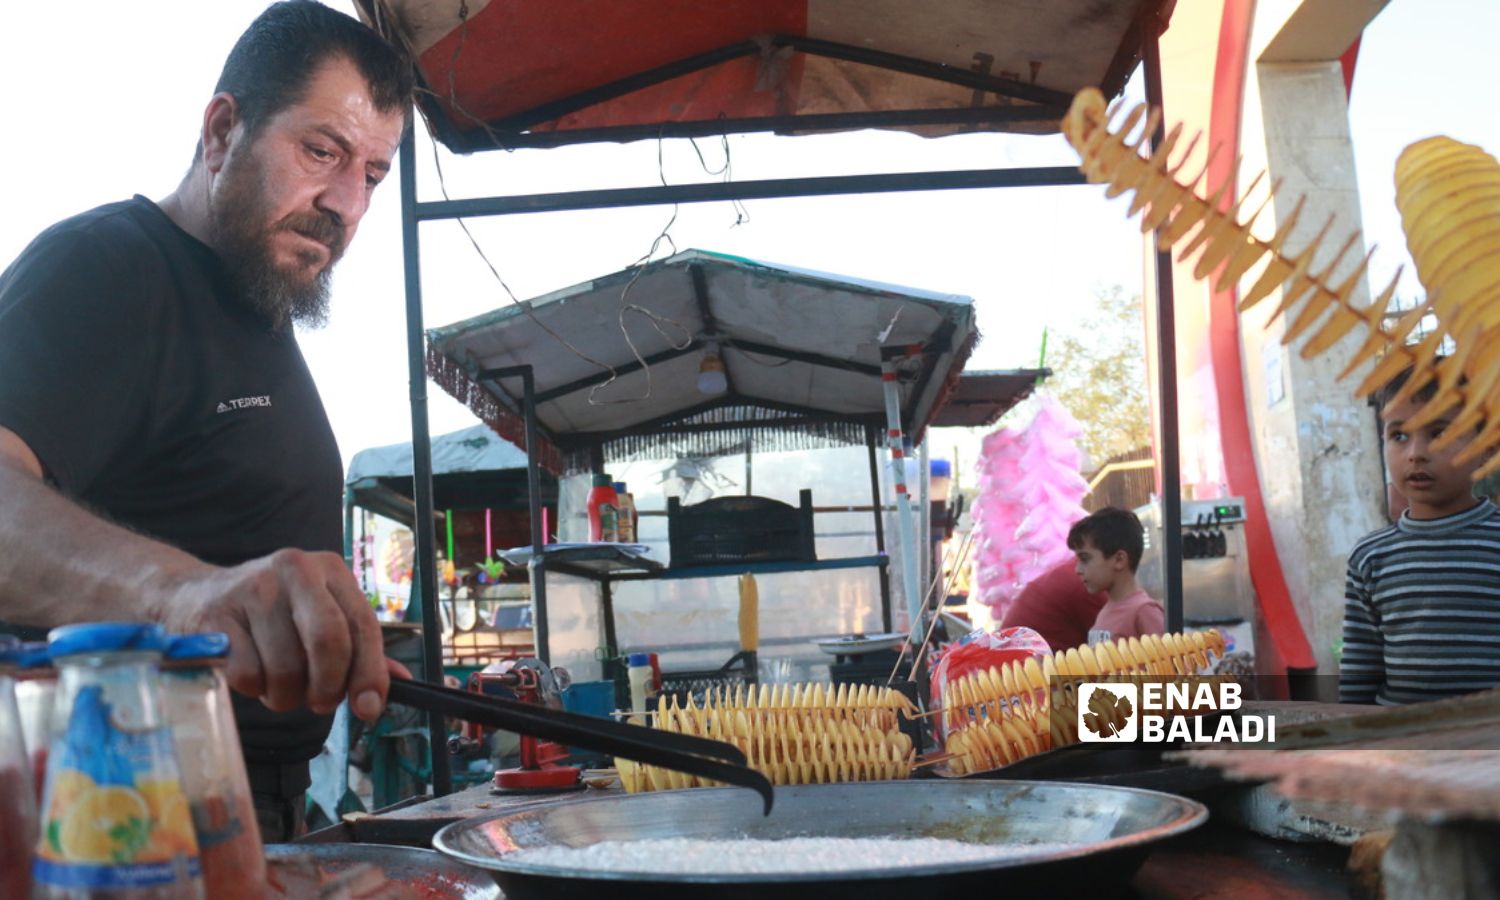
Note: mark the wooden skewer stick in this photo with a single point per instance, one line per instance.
(953, 578)
(934, 760)
(937, 612)
(926, 598)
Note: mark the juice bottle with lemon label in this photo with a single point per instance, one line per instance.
(218, 808)
(114, 819)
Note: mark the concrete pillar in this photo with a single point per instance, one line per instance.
(1316, 444)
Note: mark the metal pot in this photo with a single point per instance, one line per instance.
(1110, 830)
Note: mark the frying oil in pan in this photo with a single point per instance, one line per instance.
(797, 855)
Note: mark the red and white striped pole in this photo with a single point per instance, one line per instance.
(906, 531)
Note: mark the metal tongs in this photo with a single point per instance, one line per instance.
(679, 752)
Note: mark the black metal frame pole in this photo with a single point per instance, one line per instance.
(421, 462)
(1166, 381)
(710, 192)
(538, 538)
(538, 565)
(611, 637)
(875, 504)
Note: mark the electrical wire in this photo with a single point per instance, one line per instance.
(657, 320)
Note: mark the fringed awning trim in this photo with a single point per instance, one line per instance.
(452, 377)
(724, 432)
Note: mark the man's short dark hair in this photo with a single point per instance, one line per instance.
(1110, 530)
(270, 65)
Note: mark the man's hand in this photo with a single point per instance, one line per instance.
(300, 631)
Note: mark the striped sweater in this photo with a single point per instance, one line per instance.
(1422, 610)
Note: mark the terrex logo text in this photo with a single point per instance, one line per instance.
(244, 402)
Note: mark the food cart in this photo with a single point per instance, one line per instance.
(810, 361)
(784, 67)
(639, 71)
(654, 90)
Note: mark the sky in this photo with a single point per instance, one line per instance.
(99, 104)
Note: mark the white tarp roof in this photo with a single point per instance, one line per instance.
(801, 342)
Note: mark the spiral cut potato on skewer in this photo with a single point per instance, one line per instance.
(791, 733)
(1448, 194)
(1003, 714)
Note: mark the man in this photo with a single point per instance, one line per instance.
(164, 454)
(1056, 605)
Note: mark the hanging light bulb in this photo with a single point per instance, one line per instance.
(711, 377)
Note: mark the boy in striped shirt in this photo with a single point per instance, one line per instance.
(1422, 596)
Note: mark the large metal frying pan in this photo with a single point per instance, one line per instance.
(1112, 828)
(426, 874)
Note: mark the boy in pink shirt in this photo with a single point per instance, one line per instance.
(1108, 546)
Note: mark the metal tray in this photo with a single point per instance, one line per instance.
(427, 872)
(853, 644)
(1112, 826)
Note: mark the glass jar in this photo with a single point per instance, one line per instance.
(17, 796)
(36, 685)
(196, 696)
(115, 822)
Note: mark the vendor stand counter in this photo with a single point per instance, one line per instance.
(1216, 861)
(605, 565)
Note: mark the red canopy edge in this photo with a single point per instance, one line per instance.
(500, 73)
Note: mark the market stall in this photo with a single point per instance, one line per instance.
(700, 352)
(1008, 62)
(482, 502)
(843, 361)
(694, 70)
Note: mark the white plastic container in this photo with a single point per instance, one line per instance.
(641, 682)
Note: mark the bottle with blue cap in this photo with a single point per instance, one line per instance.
(641, 682)
(17, 796)
(195, 693)
(114, 820)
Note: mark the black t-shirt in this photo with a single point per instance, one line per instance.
(154, 396)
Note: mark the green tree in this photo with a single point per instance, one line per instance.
(1098, 368)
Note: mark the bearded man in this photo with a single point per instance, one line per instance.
(164, 454)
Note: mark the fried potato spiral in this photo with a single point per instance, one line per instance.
(791, 733)
(1003, 714)
(1448, 194)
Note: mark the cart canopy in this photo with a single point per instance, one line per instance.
(801, 351)
(981, 398)
(473, 449)
(510, 73)
(471, 469)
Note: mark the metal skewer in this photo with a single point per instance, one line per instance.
(711, 759)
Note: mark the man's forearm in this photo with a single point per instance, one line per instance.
(60, 563)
